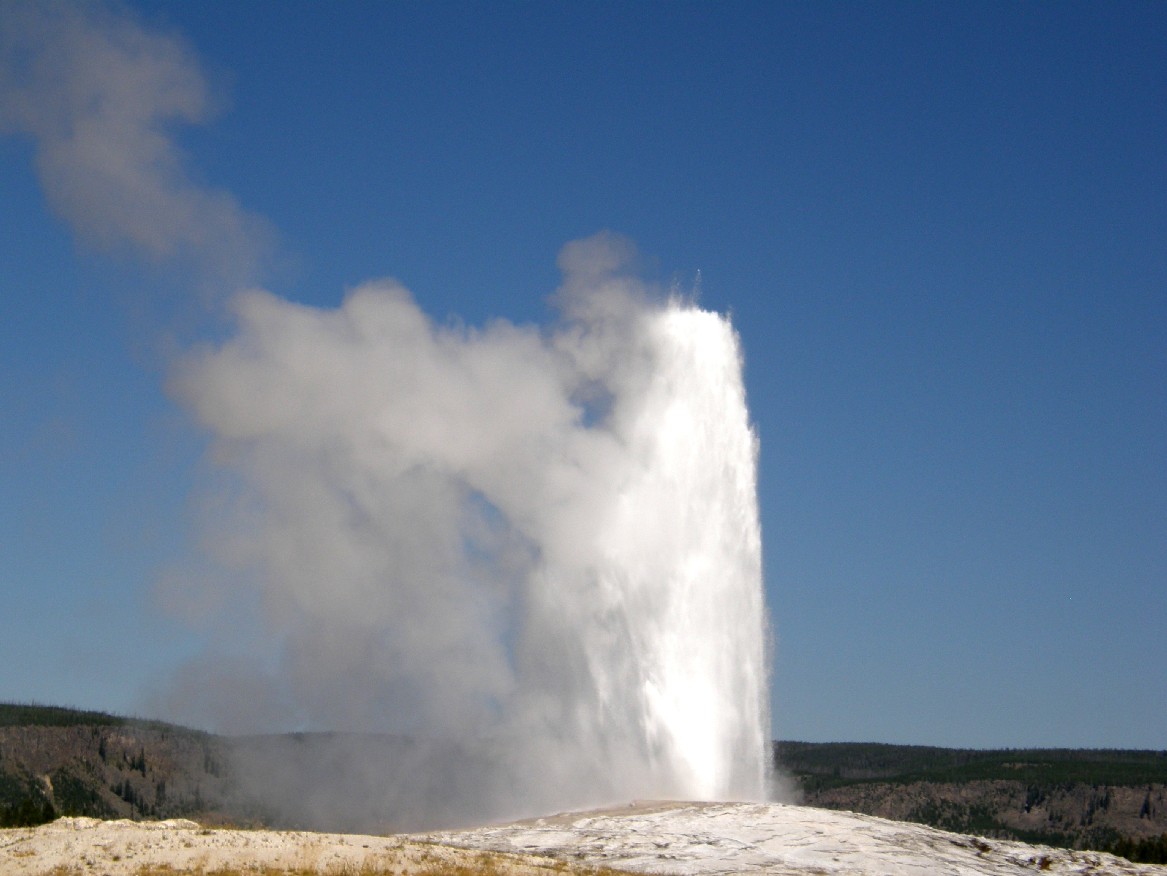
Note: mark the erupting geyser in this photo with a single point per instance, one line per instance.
(541, 547)
(671, 620)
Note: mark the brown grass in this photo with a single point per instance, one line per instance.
(482, 864)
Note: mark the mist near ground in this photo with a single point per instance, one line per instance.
(533, 551)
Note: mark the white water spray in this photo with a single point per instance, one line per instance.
(542, 546)
(666, 601)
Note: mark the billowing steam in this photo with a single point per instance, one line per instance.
(100, 97)
(528, 557)
(544, 541)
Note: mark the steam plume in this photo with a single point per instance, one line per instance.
(535, 552)
(541, 540)
(100, 96)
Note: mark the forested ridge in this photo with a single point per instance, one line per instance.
(57, 761)
(832, 764)
(1104, 799)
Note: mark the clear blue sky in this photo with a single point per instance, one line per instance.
(941, 230)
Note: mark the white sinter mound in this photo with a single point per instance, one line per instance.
(774, 838)
(668, 838)
(90, 847)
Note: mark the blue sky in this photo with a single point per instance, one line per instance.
(941, 231)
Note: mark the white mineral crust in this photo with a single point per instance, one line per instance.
(703, 839)
(681, 839)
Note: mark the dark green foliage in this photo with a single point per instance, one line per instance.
(23, 804)
(828, 765)
(27, 714)
(848, 774)
(981, 821)
(1035, 795)
(124, 790)
(12, 789)
(105, 766)
(32, 810)
(211, 763)
(33, 715)
(76, 796)
(1148, 851)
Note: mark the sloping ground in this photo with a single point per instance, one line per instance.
(683, 839)
(84, 846)
(710, 839)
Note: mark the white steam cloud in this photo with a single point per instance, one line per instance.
(542, 542)
(100, 96)
(532, 552)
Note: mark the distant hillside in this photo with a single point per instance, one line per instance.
(56, 761)
(1074, 798)
(30, 715)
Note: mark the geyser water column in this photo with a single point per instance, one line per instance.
(672, 621)
(540, 545)
(705, 657)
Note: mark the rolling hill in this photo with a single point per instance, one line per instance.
(56, 761)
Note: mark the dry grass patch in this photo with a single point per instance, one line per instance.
(478, 864)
